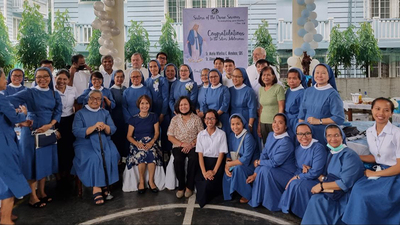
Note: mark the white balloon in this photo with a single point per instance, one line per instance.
(292, 61)
(115, 31)
(106, 35)
(96, 24)
(309, 1)
(101, 41)
(313, 64)
(117, 61)
(313, 31)
(108, 44)
(313, 16)
(99, 6)
(103, 50)
(308, 37)
(104, 27)
(309, 26)
(109, 3)
(113, 52)
(102, 15)
(109, 22)
(314, 44)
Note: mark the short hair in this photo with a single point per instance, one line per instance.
(107, 57)
(294, 71)
(215, 114)
(46, 61)
(2, 72)
(220, 59)
(284, 117)
(383, 99)
(229, 61)
(261, 73)
(262, 50)
(137, 53)
(162, 53)
(96, 74)
(208, 70)
(176, 106)
(262, 61)
(95, 91)
(64, 71)
(75, 58)
(119, 71)
(146, 97)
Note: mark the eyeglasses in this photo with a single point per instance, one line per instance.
(17, 76)
(164, 58)
(135, 77)
(183, 70)
(96, 79)
(333, 135)
(212, 77)
(306, 134)
(95, 99)
(211, 119)
(237, 77)
(42, 77)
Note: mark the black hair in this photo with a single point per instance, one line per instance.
(260, 81)
(333, 126)
(46, 61)
(107, 57)
(119, 71)
(262, 61)
(229, 61)
(75, 58)
(237, 117)
(176, 106)
(96, 74)
(215, 114)
(64, 71)
(294, 71)
(283, 115)
(220, 59)
(162, 53)
(383, 99)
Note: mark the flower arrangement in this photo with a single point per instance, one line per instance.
(189, 86)
(155, 84)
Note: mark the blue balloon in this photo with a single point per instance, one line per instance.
(311, 52)
(301, 2)
(302, 32)
(315, 22)
(306, 46)
(298, 51)
(311, 6)
(318, 37)
(301, 21)
(305, 13)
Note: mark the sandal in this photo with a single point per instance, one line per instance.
(46, 199)
(97, 197)
(37, 205)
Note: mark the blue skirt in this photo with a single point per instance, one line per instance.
(137, 156)
(374, 201)
(238, 182)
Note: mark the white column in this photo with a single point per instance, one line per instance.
(189, 4)
(296, 40)
(117, 13)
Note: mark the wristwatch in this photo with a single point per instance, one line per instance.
(320, 121)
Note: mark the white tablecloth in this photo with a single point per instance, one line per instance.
(350, 105)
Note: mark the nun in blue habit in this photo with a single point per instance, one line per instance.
(205, 84)
(96, 79)
(12, 181)
(132, 93)
(184, 86)
(159, 89)
(293, 98)
(88, 162)
(44, 109)
(242, 153)
(15, 82)
(321, 103)
(275, 167)
(342, 170)
(218, 98)
(244, 102)
(310, 161)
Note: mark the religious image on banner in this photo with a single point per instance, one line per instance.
(210, 33)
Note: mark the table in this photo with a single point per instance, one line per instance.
(349, 106)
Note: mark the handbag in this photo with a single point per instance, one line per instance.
(45, 139)
(235, 155)
(336, 194)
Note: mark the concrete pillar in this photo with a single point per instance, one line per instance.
(297, 41)
(117, 13)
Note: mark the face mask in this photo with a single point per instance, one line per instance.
(186, 113)
(81, 67)
(338, 148)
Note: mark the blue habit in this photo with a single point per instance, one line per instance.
(159, 89)
(106, 93)
(43, 107)
(12, 181)
(277, 167)
(321, 104)
(248, 153)
(12, 90)
(119, 137)
(293, 99)
(219, 99)
(194, 41)
(201, 98)
(88, 163)
(348, 167)
(129, 98)
(179, 89)
(298, 193)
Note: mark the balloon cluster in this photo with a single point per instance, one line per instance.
(308, 32)
(107, 28)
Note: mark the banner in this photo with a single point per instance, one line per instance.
(209, 33)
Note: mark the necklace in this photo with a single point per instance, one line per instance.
(144, 116)
(380, 146)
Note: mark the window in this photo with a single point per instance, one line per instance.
(199, 3)
(16, 22)
(397, 69)
(225, 3)
(380, 8)
(175, 9)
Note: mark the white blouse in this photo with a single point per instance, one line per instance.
(212, 145)
(68, 99)
(385, 147)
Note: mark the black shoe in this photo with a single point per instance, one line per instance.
(154, 190)
(141, 191)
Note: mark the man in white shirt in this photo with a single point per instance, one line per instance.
(163, 60)
(137, 63)
(229, 66)
(107, 61)
(80, 73)
(219, 64)
(258, 53)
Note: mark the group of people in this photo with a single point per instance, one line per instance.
(237, 133)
